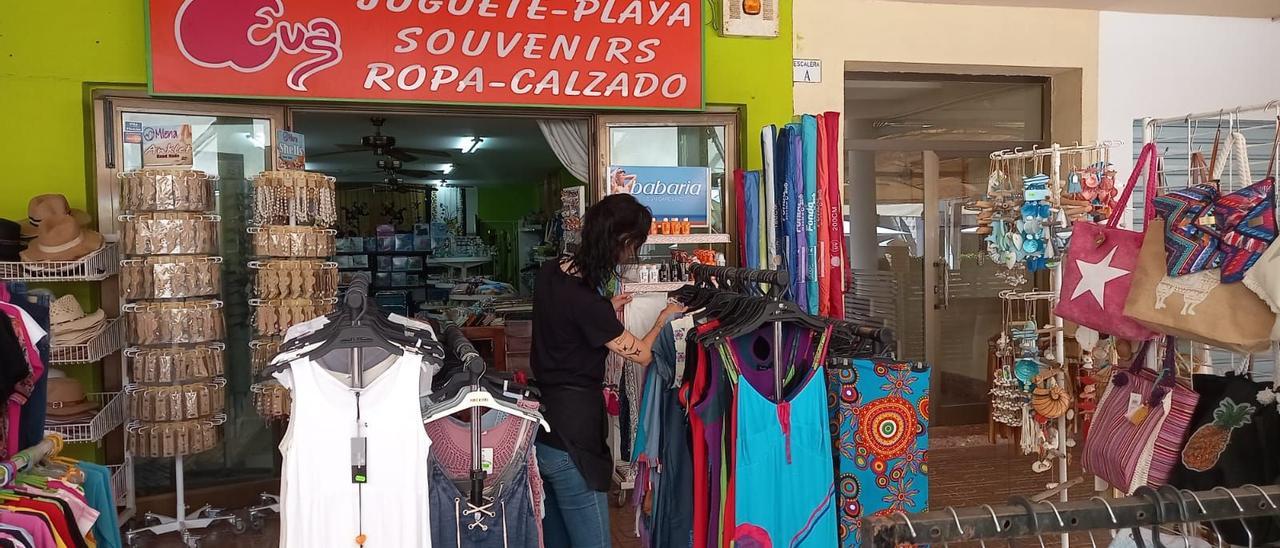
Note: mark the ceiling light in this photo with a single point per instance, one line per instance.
(470, 145)
(448, 168)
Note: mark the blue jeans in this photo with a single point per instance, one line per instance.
(577, 517)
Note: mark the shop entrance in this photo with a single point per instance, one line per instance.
(484, 182)
(919, 144)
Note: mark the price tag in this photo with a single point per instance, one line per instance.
(486, 459)
(359, 460)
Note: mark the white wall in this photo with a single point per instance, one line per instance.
(1170, 65)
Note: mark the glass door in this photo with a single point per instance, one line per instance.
(233, 142)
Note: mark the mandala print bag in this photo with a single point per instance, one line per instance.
(1141, 421)
(1097, 271)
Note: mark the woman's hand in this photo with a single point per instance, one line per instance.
(672, 311)
(620, 301)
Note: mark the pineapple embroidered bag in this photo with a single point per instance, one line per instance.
(1235, 421)
(1097, 271)
(1141, 421)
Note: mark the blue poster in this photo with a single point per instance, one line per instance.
(670, 192)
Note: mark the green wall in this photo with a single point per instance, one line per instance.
(507, 202)
(754, 73)
(53, 53)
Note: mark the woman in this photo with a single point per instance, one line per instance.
(574, 329)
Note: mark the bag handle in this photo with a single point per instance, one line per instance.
(1166, 378)
(1147, 159)
(1275, 143)
(1199, 171)
(1238, 149)
(1213, 154)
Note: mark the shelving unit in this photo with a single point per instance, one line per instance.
(108, 342)
(660, 287)
(660, 239)
(109, 417)
(97, 267)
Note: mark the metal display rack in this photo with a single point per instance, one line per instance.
(109, 341)
(1022, 517)
(110, 416)
(94, 267)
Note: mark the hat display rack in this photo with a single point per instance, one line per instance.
(170, 278)
(60, 246)
(56, 243)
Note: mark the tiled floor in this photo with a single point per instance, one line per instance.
(967, 470)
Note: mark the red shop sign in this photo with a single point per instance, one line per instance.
(571, 53)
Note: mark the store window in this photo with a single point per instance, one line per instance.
(233, 143)
(695, 141)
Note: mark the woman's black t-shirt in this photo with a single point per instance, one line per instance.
(571, 324)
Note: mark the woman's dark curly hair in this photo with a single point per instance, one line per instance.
(613, 228)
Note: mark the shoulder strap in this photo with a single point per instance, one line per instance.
(1147, 160)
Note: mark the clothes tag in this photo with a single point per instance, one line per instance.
(1135, 401)
(359, 460)
(1208, 220)
(486, 459)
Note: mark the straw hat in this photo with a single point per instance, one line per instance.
(62, 239)
(45, 206)
(67, 318)
(67, 399)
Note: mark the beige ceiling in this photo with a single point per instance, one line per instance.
(1224, 8)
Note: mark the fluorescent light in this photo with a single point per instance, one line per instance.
(448, 168)
(470, 145)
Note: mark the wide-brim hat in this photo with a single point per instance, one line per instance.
(67, 316)
(68, 337)
(62, 238)
(67, 399)
(45, 206)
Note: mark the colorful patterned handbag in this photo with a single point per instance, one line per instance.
(1140, 424)
(1099, 264)
(1243, 221)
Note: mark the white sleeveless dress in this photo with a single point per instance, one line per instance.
(320, 506)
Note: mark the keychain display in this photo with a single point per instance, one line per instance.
(178, 322)
(294, 197)
(292, 241)
(154, 189)
(171, 439)
(171, 277)
(1034, 224)
(261, 352)
(272, 317)
(175, 364)
(170, 233)
(176, 402)
(271, 399)
(295, 279)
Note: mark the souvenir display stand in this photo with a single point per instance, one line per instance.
(1053, 445)
(295, 280)
(171, 278)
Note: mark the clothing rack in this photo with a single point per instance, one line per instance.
(23, 460)
(462, 348)
(1023, 517)
(740, 277)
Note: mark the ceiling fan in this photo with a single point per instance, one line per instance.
(387, 167)
(384, 145)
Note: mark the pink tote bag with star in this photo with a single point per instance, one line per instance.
(1097, 270)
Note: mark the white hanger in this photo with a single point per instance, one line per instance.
(471, 397)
